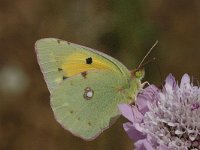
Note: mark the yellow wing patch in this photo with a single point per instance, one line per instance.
(77, 63)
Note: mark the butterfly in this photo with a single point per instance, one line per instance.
(85, 86)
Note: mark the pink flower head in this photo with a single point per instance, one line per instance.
(165, 119)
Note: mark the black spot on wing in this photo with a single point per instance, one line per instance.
(64, 77)
(89, 123)
(58, 41)
(89, 60)
(84, 74)
(60, 69)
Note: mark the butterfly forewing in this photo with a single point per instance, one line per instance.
(60, 60)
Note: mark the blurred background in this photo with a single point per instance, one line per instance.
(124, 29)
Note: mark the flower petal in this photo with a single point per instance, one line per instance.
(138, 117)
(143, 145)
(148, 94)
(163, 147)
(185, 80)
(131, 113)
(170, 80)
(126, 111)
(133, 134)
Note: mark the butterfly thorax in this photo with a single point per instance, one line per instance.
(131, 92)
(134, 85)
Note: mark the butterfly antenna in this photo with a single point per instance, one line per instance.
(153, 60)
(147, 62)
(141, 63)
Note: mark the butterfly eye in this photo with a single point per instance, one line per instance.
(139, 73)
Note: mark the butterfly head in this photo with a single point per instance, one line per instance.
(138, 73)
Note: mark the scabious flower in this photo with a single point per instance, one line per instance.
(167, 118)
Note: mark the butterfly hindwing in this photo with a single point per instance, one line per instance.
(87, 116)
